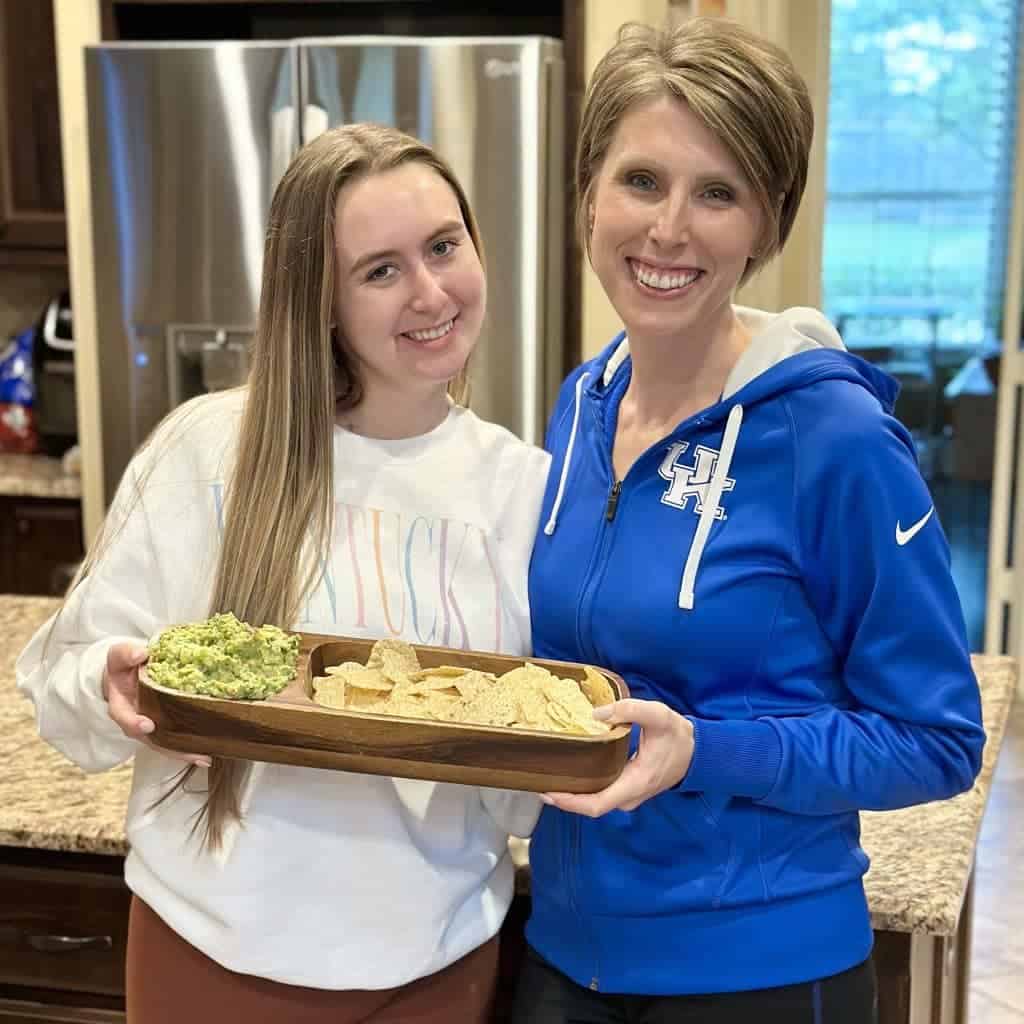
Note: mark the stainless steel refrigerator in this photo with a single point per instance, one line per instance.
(188, 140)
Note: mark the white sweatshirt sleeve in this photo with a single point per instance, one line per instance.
(61, 669)
(153, 568)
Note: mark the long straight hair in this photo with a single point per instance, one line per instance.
(280, 498)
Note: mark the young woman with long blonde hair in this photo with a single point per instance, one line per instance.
(344, 490)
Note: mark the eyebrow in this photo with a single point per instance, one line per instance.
(446, 228)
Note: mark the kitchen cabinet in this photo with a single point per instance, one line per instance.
(32, 226)
(63, 936)
(924, 979)
(40, 544)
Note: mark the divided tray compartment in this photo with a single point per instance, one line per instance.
(290, 728)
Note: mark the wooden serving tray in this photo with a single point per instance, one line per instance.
(290, 728)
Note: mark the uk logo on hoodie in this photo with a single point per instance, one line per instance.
(691, 480)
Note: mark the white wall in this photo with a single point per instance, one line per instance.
(77, 23)
(1006, 584)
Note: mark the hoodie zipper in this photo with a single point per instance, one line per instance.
(594, 572)
(613, 501)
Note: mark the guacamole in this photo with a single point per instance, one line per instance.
(223, 657)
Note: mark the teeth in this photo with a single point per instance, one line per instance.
(432, 333)
(663, 282)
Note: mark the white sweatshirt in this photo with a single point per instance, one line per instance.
(335, 880)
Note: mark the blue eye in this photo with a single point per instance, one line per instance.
(719, 194)
(641, 180)
(381, 273)
(444, 247)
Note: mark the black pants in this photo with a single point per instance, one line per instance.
(546, 996)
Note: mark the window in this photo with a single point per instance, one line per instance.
(922, 115)
(920, 143)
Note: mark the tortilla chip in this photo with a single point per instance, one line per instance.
(440, 671)
(363, 700)
(490, 708)
(432, 684)
(597, 688)
(526, 697)
(473, 683)
(564, 719)
(329, 691)
(440, 705)
(395, 658)
(359, 677)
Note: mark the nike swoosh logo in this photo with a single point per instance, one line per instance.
(902, 536)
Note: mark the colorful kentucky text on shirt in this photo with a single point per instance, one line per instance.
(429, 580)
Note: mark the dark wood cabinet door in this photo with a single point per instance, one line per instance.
(65, 930)
(44, 542)
(63, 936)
(32, 227)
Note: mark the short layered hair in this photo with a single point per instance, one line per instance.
(743, 88)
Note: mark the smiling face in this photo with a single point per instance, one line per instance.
(410, 292)
(673, 223)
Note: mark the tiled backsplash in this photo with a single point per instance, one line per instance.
(24, 294)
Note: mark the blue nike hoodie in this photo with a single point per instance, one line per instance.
(773, 570)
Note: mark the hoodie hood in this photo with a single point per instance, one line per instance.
(767, 368)
(787, 351)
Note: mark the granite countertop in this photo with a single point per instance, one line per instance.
(36, 476)
(45, 801)
(921, 857)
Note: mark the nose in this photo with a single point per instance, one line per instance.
(671, 224)
(428, 295)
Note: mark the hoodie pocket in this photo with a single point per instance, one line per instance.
(667, 856)
(550, 870)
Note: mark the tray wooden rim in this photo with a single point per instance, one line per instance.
(615, 734)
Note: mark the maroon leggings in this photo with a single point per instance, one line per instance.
(171, 982)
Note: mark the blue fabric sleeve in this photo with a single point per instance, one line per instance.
(877, 574)
(733, 758)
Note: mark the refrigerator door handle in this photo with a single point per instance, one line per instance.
(314, 122)
(282, 142)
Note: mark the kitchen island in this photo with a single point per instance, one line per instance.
(58, 823)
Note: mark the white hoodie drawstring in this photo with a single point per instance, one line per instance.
(549, 527)
(710, 506)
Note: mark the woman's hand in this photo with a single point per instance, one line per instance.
(121, 691)
(662, 759)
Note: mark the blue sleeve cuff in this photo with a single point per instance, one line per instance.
(734, 758)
